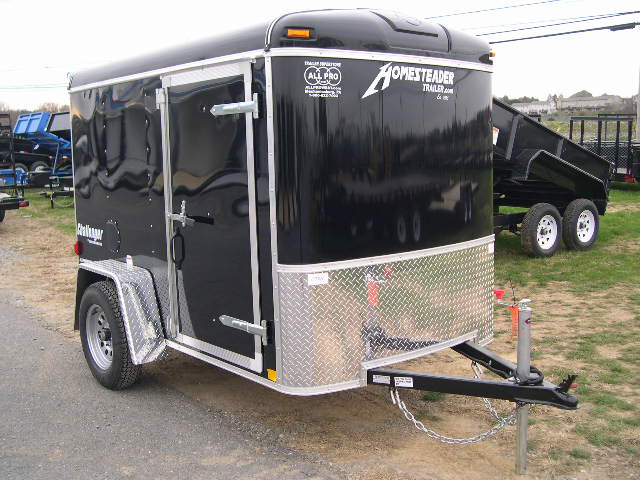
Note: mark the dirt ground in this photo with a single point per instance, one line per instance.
(359, 428)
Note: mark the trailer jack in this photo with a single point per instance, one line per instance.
(523, 384)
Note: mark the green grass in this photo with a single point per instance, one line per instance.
(61, 217)
(601, 267)
(601, 348)
(433, 396)
(580, 454)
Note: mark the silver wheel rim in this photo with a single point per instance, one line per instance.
(547, 232)
(416, 222)
(586, 227)
(99, 337)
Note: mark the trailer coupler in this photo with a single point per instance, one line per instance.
(532, 390)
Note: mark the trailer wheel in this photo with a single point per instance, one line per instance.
(21, 166)
(541, 230)
(400, 227)
(39, 166)
(580, 224)
(104, 339)
(1, 216)
(416, 225)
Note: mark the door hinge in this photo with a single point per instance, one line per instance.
(260, 330)
(234, 108)
(161, 97)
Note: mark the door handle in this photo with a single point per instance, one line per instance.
(235, 108)
(182, 216)
(177, 238)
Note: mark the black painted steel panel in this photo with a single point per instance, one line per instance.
(400, 169)
(118, 177)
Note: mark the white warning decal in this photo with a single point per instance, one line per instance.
(404, 382)
(321, 278)
(434, 80)
(384, 379)
(323, 79)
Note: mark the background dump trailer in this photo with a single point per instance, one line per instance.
(300, 210)
(11, 179)
(564, 186)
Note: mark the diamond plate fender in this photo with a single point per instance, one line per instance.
(139, 307)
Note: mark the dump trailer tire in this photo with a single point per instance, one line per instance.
(21, 166)
(2, 213)
(104, 340)
(39, 166)
(541, 230)
(580, 224)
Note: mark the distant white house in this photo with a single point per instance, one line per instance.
(585, 101)
(582, 100)
(539, 106)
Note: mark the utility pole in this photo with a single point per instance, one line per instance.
(638, 111)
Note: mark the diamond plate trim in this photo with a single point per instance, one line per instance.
(139, 308)
(329, 329)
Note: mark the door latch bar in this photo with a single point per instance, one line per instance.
(234, 108)
(260, 330)
(182, 216)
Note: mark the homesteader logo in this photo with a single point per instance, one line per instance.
(433, 79)
(93, 235)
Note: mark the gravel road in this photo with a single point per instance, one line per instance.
(57, 422)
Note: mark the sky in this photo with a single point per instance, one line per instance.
(44, 41)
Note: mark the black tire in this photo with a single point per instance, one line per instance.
(21, 166)
(121, 373)
(580, 224)
(416, 225)
(541, 218)
(2, 215)
(39, 166)
(400, 228)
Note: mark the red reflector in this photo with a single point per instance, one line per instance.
(77, 248)
(499, 293)
(372, 294)
(24, 203)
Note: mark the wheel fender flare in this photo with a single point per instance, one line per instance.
(138, 304)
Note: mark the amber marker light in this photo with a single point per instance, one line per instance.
(492, 54)
(298, 33)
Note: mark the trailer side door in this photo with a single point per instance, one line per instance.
(212, 251)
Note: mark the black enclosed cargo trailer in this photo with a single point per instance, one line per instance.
(298, 203)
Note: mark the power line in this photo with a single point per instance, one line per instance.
(32, 87)
(603, 16)
(595, 17)
(496, 8)
(613, 28)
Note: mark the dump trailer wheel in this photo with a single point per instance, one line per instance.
(39, 166)
(541, 230)
(580, 224)
(21, 166)
(2, 215)
(104, 340)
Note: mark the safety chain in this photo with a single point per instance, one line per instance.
(502, 421)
